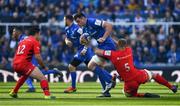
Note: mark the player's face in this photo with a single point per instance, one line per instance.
(15, 34)
(81, 21)
(65, 21)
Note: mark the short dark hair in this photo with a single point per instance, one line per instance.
(34, 30)
(79, 15)
(122, 42)
(69, 17)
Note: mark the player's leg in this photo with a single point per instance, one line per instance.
(31, 87)
(37, 74)
(24, 70)
(73, 75)
(161, 80)
(130, 89)
(94, 64)
(72, 69)
(19, 83)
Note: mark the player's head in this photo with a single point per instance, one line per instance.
(35, 31)
(122, 43)
(17, 31)
(80, 18)
(68, 20)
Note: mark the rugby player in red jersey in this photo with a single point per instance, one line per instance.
(132, 77)
(22, 63)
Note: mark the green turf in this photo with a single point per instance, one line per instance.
(86, 96)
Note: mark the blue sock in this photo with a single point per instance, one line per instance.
(48, 72)
(107, 73)
(103, 83)
(100, 72)
(73, 77)
(29, 83)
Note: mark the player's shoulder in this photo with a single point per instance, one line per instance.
(129, 49)
(91, 20)
(32, 39)
(95, 21)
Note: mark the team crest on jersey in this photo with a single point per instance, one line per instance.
(107, 53)
(80, 31)
(98, 22)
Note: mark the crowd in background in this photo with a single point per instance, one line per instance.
(151, 44)
(37, 11)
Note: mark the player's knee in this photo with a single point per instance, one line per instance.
(91, 65)
(150, 74)
(71, 68)
(128, 94)
(98, 60)
(94, 62)
(154, 75)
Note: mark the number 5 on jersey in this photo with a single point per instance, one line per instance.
(127, 67)
(21, 49)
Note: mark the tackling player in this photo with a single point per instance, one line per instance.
(101, 31)
(84, 54)
(26, 49)
(19, 36)
(133, 77)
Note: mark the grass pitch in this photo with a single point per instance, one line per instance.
(86, 96)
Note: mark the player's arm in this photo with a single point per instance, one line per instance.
(98, 51)
(37, 55)
(85, 39)
(104, 53)
(108, 29)
(68, 42)
(40, 60)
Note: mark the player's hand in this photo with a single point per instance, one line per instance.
(101, 40)
(69, 43)
(83, 52)
(84, 39)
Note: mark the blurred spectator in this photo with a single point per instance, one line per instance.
(168, 17)
(133, 5)
(147, 56)
(154, 49)
(151, 18)
(173, 55)
(161, 36)
(138, 18)
(161, 58)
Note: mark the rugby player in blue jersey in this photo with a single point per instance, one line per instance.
(19, 36)
(101, 31)
(84, 54)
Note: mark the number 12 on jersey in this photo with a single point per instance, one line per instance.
(21, 49)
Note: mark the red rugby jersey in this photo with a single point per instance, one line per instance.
(123, 62)
(26, 49)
